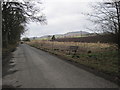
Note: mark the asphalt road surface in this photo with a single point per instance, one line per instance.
(38, 69)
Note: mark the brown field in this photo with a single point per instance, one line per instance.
(90, 39)
(99, 56)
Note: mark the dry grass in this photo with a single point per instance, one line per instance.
(94, 47)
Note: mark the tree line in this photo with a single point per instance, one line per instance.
(15, 16)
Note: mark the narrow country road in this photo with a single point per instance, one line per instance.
(38, 69)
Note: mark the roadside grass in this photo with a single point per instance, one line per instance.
(102, 57)
(8, 50)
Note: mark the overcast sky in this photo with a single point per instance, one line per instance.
(62, 16)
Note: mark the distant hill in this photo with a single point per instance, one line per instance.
(75, 34)
(69, 34)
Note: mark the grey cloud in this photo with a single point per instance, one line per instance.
(62, 16)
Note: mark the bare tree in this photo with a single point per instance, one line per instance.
(106, 17)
